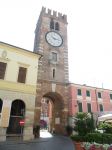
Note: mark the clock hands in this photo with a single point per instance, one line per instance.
(55, 38)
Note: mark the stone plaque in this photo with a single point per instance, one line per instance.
(57, 120)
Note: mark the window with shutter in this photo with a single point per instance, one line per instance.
(22, 75)
(79, 92)
(80, 107)
(111, 96)
(2, 70)
(88, 93)
(89, 107)
(101, 107)
(99, 95)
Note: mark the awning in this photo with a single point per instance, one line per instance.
(105, 117)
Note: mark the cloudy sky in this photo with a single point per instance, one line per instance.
(89, 34)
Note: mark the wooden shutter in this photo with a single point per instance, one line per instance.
(22, 75)
(2, 70)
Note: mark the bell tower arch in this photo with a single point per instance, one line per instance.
(51, 42)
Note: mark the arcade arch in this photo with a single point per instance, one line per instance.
(16, 115)
(52, 111)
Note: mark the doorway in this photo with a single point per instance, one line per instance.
(16, 116)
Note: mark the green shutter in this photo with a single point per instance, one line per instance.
(79, 92)
(88, 93)
(101, 107)
(99, 95)
(89, 107)
(111, 96)
(80, 107)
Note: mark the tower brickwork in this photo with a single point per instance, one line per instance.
(51, 42)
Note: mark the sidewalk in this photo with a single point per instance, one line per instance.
(44, 136)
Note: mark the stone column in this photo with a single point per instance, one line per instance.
(3, 134)
(28, 127)
(5, 116)
(37, 115)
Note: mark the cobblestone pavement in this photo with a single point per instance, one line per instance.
(52, 143)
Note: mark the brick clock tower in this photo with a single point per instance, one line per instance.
(52, 85)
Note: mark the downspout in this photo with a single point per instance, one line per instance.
(96, 99)
(97, 113)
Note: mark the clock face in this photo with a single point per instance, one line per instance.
(54, 39)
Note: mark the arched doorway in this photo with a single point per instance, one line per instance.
(17, 114)
(52, 111)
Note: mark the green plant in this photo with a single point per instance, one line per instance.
(99, 138)
(106, 138)
(84, 123)
(106, 127)
(94, 137)
(69, 130)
(78, 138)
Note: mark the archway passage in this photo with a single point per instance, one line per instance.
(52, 112)
(17, 115)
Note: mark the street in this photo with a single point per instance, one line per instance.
(56, 142)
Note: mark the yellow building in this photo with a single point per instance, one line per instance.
(18, 77)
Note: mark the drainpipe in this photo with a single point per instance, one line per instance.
(97, 114)
(97, 100)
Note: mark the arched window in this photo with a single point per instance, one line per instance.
(52, 24)
(1, 103)
(57, 26)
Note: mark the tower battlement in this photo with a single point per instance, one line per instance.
(54, 14)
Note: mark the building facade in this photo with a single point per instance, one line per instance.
(89, 99)
(34, 88)
(51, 41)
(18, 77)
